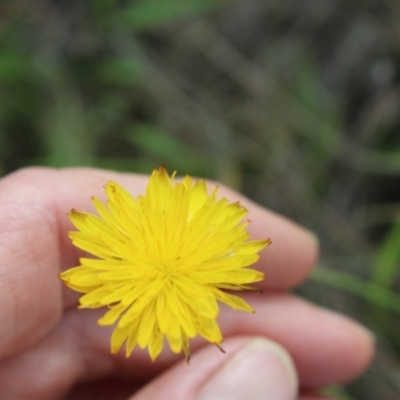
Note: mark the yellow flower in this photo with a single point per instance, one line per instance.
(164, 260)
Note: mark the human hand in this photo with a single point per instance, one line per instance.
(50, 350)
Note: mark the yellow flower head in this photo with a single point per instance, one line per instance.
(164, 260)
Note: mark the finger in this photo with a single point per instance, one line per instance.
(255, 369)
(326, 348)
(34, 246)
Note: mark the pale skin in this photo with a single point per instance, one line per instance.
(47, 346)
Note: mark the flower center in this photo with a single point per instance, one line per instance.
(166, 269)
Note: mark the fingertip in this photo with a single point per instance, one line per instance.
(355, 343)
(232, 376)
(276, 376)
(292, 254)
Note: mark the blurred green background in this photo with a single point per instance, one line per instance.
(296, 103)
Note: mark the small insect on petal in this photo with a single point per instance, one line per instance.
(163, 262)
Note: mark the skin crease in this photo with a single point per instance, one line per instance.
(39, 323)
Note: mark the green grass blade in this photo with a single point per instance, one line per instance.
(386, 264)
(369, 291)
(149, 14)
(338, 392)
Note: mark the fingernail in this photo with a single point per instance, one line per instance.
(260, 370)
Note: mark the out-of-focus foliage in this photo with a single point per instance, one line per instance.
(294, 102)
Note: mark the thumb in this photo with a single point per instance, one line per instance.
(252, 369)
